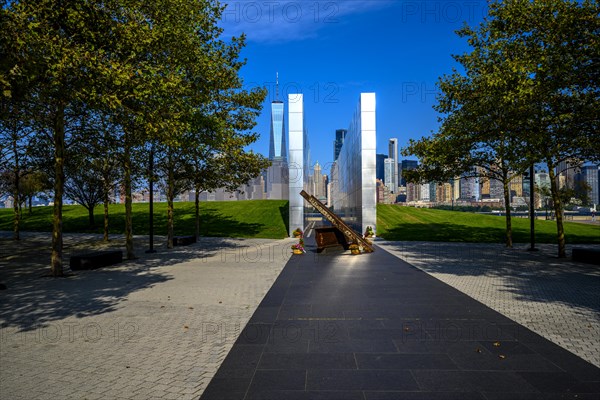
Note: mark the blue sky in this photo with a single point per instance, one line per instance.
(331, 51)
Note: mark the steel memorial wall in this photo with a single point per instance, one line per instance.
(354, 190)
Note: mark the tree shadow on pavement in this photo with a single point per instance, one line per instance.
(32, 300)
(534, 276)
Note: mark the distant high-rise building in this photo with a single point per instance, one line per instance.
(406, 165)
(525, 184)
(542, 179)
(388, 180)
(379, 167)
(469, 188)
(426, 192)
(319, 182)
(382, 192)
(516, 187)
(413, 192)
(496, 189)
(565, 173)
(393, 154)
(276, 177)
(484, 188)
(590, 175)
(340, 135)
(277, 144)
(443, 192)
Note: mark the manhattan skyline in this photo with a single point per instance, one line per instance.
(333, 51)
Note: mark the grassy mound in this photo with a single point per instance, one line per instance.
(247, 219)
(422, 224)
(269, 219)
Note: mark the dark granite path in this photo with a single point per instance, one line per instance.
(337, 326)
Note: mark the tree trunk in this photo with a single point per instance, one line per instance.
(558, 211)
(91, 216)
(106, 217)
(56, 266)
(30, 206)
(170, 197)
(17, 218)
(17, 183)
(197, 209)
(505, 184)
(106, 186)
(128, 209)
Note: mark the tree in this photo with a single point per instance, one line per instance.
(476, 137)
(533, 81)
(107, 151)
(15, 136)
(58, 50)
(225, 169)
(554, 44)
(15, 132)
(92, 168)
(33, 183)
(83, 184)
(167, 57)
(197, 98)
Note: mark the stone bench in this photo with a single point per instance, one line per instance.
(590, 256)
(183, 240)
(95, 259)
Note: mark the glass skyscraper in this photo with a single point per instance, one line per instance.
(380, 171)
(393, 153)
(590, 174)
(405, 166)
(340, 134)
(277, 145)
(276, 176)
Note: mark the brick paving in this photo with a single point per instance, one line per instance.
(155, 328)
(557, 298)
(372, 327)
(161, 326)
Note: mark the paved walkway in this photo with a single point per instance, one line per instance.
(332, 326)
(556, 298)
(337, 326)
(156, 328)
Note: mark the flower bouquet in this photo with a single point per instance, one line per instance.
(297, 233)
(354, 249)
(298, 248)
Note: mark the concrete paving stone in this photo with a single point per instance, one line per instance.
(43, 396)
(508, 361)
(137, 318)
(138, 396)
(556, 298)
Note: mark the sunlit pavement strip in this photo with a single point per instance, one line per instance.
(557, 298)
(158, 327)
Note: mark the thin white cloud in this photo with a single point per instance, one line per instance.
(283, 21)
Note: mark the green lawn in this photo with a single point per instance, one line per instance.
(269, 219)
(253, 218)
(422, 224)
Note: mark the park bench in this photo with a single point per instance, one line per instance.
(589, 256)
(95, 259)
(184, 240)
